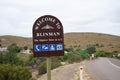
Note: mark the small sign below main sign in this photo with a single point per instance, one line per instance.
(48, 37)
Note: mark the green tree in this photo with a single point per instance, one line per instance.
(100, 54)
(0, 45)
(55, 62)
(91, 49)
(25, 47)
(31, 49)
(14, 72)
(1, 58)
(33, 61)
(83, 54)
(11, 55)
(14, 48)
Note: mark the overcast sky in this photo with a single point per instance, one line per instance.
(102, 16)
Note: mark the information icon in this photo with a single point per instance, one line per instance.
(52, 47)
(59, 47)
(37, 48)
(45, 47)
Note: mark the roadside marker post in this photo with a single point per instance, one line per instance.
(81, 72)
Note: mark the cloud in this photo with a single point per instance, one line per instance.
(79, 15)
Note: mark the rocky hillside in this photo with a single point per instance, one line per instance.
(73, 40)
(101, 41)
(20, 41)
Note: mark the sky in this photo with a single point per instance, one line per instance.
(102, 16)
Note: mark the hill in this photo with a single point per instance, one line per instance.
(104, 42)
(20, 41)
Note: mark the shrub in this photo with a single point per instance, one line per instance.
(100, 54)
(25, 47)
(8, 72)
(54, 64)
(42, 68)
(5, 58)
(66, 56)
(108, 54)
(13, 48)
(91, 49)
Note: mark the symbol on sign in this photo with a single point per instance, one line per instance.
(47, 27)
(59, 47)
(37, 48)
(52, 47)
(45, 47)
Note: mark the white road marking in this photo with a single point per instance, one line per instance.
(113, 64)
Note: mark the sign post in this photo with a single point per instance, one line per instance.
(48, 39)
(48, 68)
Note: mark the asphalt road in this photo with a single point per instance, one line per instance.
(104, 69)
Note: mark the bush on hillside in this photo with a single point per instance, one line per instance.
(103, 54)
(100, 54)
(55, 62)
(109, 54)
(6, 59)
(8, 72)
(42, 68)
(91, 49)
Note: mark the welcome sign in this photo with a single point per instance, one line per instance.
(48, 37)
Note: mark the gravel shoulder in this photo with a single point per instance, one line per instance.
(67, 72)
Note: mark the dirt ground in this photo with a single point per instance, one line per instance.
(66, 72)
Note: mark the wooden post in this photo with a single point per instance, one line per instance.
(48, 68)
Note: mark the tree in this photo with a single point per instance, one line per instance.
(14, 48)
(55, 62)
(31, 50)
(91, 49)
(0, 45)
(1, 58)
(100, 54)
(11, 55)
(25, 47)
(14, 73)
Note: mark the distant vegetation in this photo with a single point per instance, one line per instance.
(105, 42)
(11, 62)
(12, 66)
(8, 72)
(78, 47)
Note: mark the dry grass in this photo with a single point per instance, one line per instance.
(74, 40)
(20, 41)
(81, 40)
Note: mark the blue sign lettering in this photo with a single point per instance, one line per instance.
(45, 47)
(52, 47)
(37, 48)
(59, 47)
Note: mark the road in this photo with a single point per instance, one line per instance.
(104, 69)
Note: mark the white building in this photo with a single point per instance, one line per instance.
(3, 49)
(25, 51)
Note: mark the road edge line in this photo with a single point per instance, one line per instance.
(113, 64)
